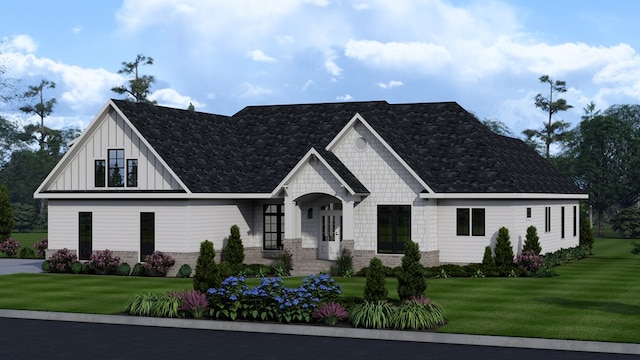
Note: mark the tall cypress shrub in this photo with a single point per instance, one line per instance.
(503, 250)
(586, 235)
(411, 279)
(375, 287)
(532, 241)
(234, 251)
(6, 214)
(207, 275)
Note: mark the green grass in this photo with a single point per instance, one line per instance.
(27, 239)
(592, 299)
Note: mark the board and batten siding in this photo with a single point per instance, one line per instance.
(511, 214)
(180, 225)
(389, 183)
(111, 132)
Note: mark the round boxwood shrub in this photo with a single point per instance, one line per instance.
(124, 269)
(184, 271)
(27, 253)
(76, 267)
(45, 266)
(138, 270)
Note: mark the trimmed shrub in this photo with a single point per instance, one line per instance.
(61, 261)
(158, 264)
(487, 258)
(41, 247)
(375, 287)
(532, 241)
(124, 269)
(104, 263)
(184, 271)
(9, 246)
(138, 270)
(45, 266)
(330, 313)
(206, 275)
(234, 251)
(282, 263)
(586, 235)
(27, 253)
(503, 250)
(76, 267)
(343, 265)
(225, 270)
(411, 279)
(529, 262)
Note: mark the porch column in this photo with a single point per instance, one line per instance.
(347, 220)
(291, 218)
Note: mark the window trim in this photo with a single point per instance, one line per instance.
(85, 235)
(547, 219)
(132, 172)
(279, 222)
(147, 233)
(468, 224)
(120, 168)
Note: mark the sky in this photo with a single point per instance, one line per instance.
(223, 55)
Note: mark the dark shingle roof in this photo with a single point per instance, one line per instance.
(253, 150)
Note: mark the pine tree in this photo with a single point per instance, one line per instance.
(503, 250)
(375, 287)
(234, 251)
(207, 275)
(531, 242)
(411, 279)
(6, 214)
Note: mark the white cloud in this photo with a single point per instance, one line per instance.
(308, 84)
(248, 90)
(346, 97)
(391, 84)
(411, 55)
(18, 43)
(172, 98)
(258, 55)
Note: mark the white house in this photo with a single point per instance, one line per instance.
(312, 178)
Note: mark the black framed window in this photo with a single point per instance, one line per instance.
(394, 228)
(547, 219)
(575, 221)
(477, 222)
(273, 226)
(85, 235)
(562, 222)
(147, 234)
(132, 172)
(100, 173)
(116, 167)
(528, 213)
(462, 222)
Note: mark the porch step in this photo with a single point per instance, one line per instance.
(308, 267)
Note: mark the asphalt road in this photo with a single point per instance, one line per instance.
(46, 339)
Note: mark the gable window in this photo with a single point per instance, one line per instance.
(99, 173)
(470, 222)
(116, 168)
(132, 172)
(273, 226)
(85, 235)
(394, 228)
(147, 234)
(547, 219)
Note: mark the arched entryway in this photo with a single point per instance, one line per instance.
(330, 231)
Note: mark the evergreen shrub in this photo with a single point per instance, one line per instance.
(411, 277)
(206, 275)
(487, 258)
(124, 269)
(532, 241)
(586, 236)
(375, 286)
(503, 250)
(234, 251)
(27, 253)
(184, 271)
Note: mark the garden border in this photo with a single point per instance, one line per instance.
(328, 331)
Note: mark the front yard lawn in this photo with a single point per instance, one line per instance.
(593, 299)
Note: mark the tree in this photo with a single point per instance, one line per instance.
(24, 216)
(234, 251)
(532, 241)
(9, 141)
(6, 214)
(552, 131)
(497, 127)
(627, 222)
(586, 235)
(487, 259)
(503, 250)
(41, 108)
(375, 287)
(138, 87)
(206, 275)
(411, 279)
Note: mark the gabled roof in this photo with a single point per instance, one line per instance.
(253, 150)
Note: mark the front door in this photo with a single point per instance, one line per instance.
(331, 232)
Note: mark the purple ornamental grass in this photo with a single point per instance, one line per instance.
(420, 300)
(10, 247)
(330, 313)
(192, 302)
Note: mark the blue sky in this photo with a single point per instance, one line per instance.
(225, 55)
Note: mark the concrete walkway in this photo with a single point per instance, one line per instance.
(16, 266)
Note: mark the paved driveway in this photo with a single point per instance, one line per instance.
(15, 266)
